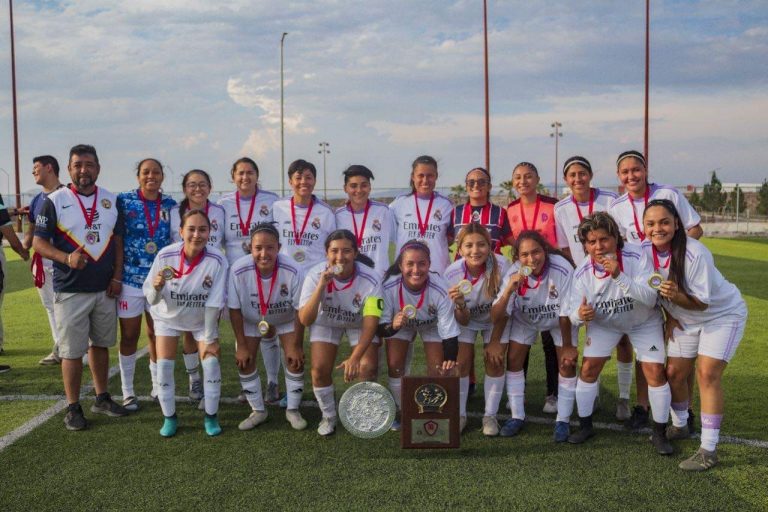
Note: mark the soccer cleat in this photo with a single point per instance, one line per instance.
(691, 422)
(490, 426)
(622, 409)
(295, 419)
(659, 439)
(699, 461)
(211, 423)
(327, 426)
(50, 360)
(272, 396)
(512, 427)
(674, 433)
(170, 424)
(256, 418)
(75, 420)
(130, 403)
(550, 404)
(195, 389)
(585, 431)
(638, 420)
(108, 407)
(462, 424)
(4, 368)
(562, 431)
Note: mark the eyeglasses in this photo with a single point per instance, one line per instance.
(478, 183)
(196, 185)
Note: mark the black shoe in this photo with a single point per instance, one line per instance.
(4, 368)
(585, 431)
(105, 405)
(638, 420)
(75, 420)
(660, 441)
(472, 388)
(691, 422)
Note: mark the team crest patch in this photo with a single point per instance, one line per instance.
(544, 217)
(106, 204)
(357, 301)
(589, 341)
(283, 290)
(432, 310)
(376, 225)
(214, 225)
(316, 223)
(207, 282)
(553, 294)
(438, 215)
(515, 218)
(475, 216)
(264, 210)
(165, 215)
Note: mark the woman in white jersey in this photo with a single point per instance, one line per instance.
(416, 301)
(705, 323)
(424, 214)
(263, 297)
(340, 295)
(474, 281)
(186, 287)
(610, 293)
(532, 293)
(584, 200)
(197, 188)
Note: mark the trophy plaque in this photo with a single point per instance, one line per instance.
(430, 412)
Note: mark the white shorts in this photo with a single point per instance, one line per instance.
(164, 329)
(647, 340)
(132, 302)
(717, 339)
(468, 335)
(252, 330)
(428, 334)
(333, 334)
(525, 335)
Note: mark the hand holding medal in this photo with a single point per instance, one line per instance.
(611, 264)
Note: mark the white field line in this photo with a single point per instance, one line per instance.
(614, 427)
(11, 437)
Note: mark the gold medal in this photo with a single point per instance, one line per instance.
(337, 269)
(263, 327)
(168, 273)
(150, 247)
(655, 280)
(91, 237)
(465, 286)
(299, 256)
(525, 271)
(409, 311)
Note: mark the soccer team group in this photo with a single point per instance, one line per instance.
(628, 270)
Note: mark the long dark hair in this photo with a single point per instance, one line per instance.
(394, 269)
(679, 244)
(265, 227)
(345, 234)
(184, 204)
(535, 236)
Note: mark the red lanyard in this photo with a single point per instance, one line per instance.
(88, 218)
(208, 205)
(535, 213)
(640, 233)
(148, 215)
(244, 228)
(476, 279)
(264, 305)
(298, 234)
(606, 274)
(656, 264)
(423, 225)
(421, 298)
(359, 237)
(332, 285)
(181, 272)
(591, 203)
(525, 287)
(485, 216)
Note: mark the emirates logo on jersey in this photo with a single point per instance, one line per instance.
(264, 210)
(438, 215)
(316, 223)
(208, 282)
(283, 290)
(376, 225)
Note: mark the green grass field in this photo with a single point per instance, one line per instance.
(124, 464)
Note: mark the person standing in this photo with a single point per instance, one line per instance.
(80, 229)
(6, 230)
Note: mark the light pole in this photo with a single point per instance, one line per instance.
(556, 134)
(324, 151)
(15, 118)
(647, 77)
(487, 112)
(282, 121)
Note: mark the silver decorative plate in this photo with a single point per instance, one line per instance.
(367, 410)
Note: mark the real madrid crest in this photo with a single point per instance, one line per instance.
(106, 204)
(208, 282)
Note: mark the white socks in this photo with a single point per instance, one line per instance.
(493, 387)
(396, 387)
(294, 387)
(166, 386)
(270, 354)
(710, 430)
(566, 396)
(679, 413)
(624, 376)
(516, 393)
(211, 384)
(463, 395)
(192, 364)
(661, 399)
(127, 370)
(251, 385)
(586, 392)
(326, 401)
(153, 374)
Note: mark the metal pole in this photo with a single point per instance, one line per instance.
(15, 119)
(324, 151)
(556, 133)
(738, 193)
(647, 76)
(282, 121)
(487, 110)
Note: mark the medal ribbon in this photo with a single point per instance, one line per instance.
(38, 270)
(656, 264)
(634, 212)
(423, 225)
(485, 215)
(181, 272)
(421, 298)
(359, 237)
(535, 213)
(148, 215)
(332, 285)
(591, 204)
(606, 274)
(525, 286)
(470, 278)
(244, 228)
(88, 218)
(298, 234)
(264, 305)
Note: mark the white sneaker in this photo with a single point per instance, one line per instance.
(327, 426)
(131, 404)
(550, 404)
(490, 426)
(295, 419)
(462, 424)
(195, 389)
(255, 418)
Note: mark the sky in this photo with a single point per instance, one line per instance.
(196, 84)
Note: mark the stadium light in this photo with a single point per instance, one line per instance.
(282, 121)
(556, 134)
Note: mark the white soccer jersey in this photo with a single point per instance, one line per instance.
(541, 305)
(184, 299)
(567, 219)
(620, 303)
(237, 240)
(343, 303)
(704, 281)
(436, 309)
(321, 222)
(436, 222)
(478, 302)
(626, 211)
(375, 235)
(215, 214)
(243, 292)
